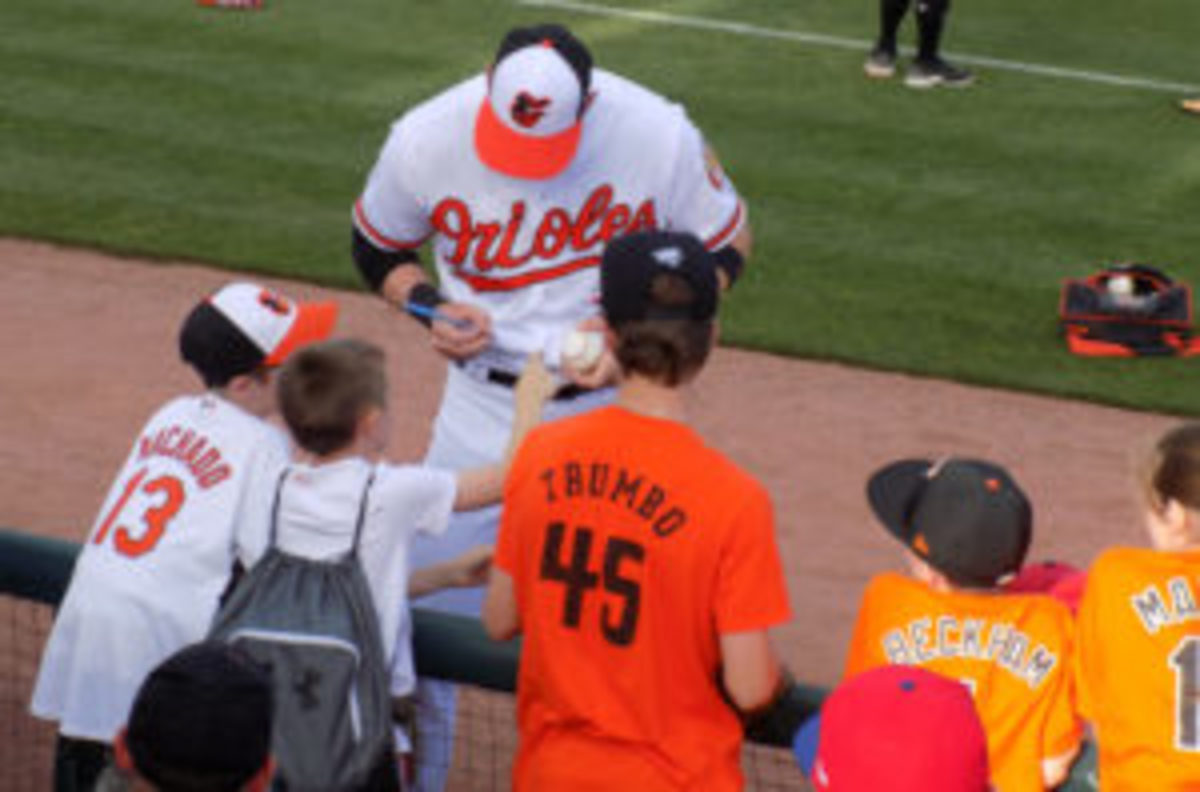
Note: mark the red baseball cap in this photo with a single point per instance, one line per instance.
(530, 123)
(899, 728)
(1062, 581)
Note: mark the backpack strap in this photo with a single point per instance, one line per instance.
(362, 511)
(273, 534)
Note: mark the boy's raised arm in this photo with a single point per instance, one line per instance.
(484, 486)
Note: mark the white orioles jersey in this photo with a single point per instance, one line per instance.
(194, 494)
(527, 251)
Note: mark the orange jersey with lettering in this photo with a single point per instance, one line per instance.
(1011, 650)
(1137, 667)
(632, 547)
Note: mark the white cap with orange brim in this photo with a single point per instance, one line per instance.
(530, 123)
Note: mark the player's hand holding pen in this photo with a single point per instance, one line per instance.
(457, 330)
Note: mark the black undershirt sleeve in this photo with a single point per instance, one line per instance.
(729, 259)
(375, 264)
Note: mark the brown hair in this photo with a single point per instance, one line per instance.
(667, 351)
(325, 388)
(1173, 469)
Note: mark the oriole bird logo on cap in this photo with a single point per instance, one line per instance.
(274, 302)
(527, 110)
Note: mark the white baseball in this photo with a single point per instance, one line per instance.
(1121, 286)
(581, 349)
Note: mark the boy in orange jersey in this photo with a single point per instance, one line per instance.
(1137, 660)
(967, 527)
(640, 564)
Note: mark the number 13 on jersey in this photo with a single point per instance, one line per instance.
(619, 575)
(164, 496)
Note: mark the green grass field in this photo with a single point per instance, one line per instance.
(922, 232)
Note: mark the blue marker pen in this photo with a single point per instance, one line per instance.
(434, 315)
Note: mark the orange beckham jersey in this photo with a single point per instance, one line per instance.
(1011, 650)
(1137, 668)
(632, 547)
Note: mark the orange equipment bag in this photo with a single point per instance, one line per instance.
(1127, 310)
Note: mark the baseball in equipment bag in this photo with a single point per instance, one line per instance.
(1127, 310)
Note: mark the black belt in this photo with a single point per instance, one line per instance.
(509, 380)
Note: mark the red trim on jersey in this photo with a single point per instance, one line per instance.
(485, 284)
(725, 234)
(378, 238)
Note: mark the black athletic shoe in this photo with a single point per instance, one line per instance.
(931, 73)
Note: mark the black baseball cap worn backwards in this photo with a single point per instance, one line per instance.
(631, 264)
(967, 518)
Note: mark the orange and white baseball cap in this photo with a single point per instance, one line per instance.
(244, 326)
(531, 120)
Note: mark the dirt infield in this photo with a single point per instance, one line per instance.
(88, 349)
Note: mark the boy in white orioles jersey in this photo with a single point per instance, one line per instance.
(192, 498)
(517, 178)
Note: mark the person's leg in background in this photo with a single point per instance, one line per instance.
(470, 430)
(436, 715)
(881, 63)
(929, 68)
(436, 701)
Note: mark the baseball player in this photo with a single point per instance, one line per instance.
(517, 178)
(1137, 659)
(967, 526)
(192, 498)
(640, 564)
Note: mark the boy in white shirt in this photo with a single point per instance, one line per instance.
(333, 397)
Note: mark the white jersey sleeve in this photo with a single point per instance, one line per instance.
(702, 199)
(389, 213)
